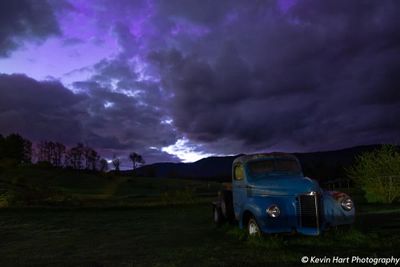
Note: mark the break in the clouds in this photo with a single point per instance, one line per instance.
(189, 79)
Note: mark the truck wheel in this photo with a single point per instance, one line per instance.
(217, 216)
(252, 228)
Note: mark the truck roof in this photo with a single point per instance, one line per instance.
(246, 158)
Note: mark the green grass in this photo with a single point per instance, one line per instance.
(171, 236)
(66, 218)
(31, 186)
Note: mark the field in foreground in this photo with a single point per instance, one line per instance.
(172, 236)
(65, 218)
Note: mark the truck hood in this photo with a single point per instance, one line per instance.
(283, 185)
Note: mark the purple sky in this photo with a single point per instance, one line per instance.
(180, 80)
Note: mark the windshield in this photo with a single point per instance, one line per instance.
(273, 166)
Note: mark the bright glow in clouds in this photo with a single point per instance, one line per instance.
(168, 121)
(186, 151)
(108, 104)
(140, 69)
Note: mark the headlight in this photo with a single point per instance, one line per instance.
(347, 204)
(273, 211)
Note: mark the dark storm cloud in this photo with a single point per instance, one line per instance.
(239, 76)
(109, 121)
(122, 124)
(203, 12)
(25, 20)
(136, 123)
(118, 69)
(319, 75)
(229, 76)
(126, 110)
(40, 109)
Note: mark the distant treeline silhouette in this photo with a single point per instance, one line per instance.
(16, 150)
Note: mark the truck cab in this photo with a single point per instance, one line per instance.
(270, 194)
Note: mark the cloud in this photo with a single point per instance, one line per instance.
(39, 109)
(47, 110)
(72, 41)
(25, 20)
(231, 76)
(238, 77)
(317, 76)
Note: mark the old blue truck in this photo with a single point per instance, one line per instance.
(269, 194)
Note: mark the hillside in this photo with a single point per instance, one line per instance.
(323, 166)
(37, 186)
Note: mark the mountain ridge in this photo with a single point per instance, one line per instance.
(319, 165)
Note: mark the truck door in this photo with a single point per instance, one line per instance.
(239, 188)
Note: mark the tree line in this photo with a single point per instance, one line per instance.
(17, 150)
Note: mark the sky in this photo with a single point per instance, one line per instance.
(179, 80)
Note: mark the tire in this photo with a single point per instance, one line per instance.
(217, 216)
(227, 205)
(253, 230)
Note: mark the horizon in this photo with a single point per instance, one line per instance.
(305, 152)
(34, 154)
(186, 80)
(129, 168)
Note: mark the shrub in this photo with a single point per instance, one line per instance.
(5, 199)
(378, 174)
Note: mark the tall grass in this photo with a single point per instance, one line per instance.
(185, 196)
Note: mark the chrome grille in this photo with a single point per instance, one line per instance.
(309, 210)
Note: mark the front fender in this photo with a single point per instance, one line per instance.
(257, 205)
(334, 214)
(254, 206)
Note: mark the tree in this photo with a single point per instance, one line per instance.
(59, 154)
(43, 153)
(136, 159)
(82, 157)
(51, 152)
(378, 174)
(103, 165)
(116, 162)
(17, 148)
(91, 158)
(2, 141)
(27, 154)
(74, 157)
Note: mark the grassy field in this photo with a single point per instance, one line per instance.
(55, 187)
(126, 221)
(171, 236)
